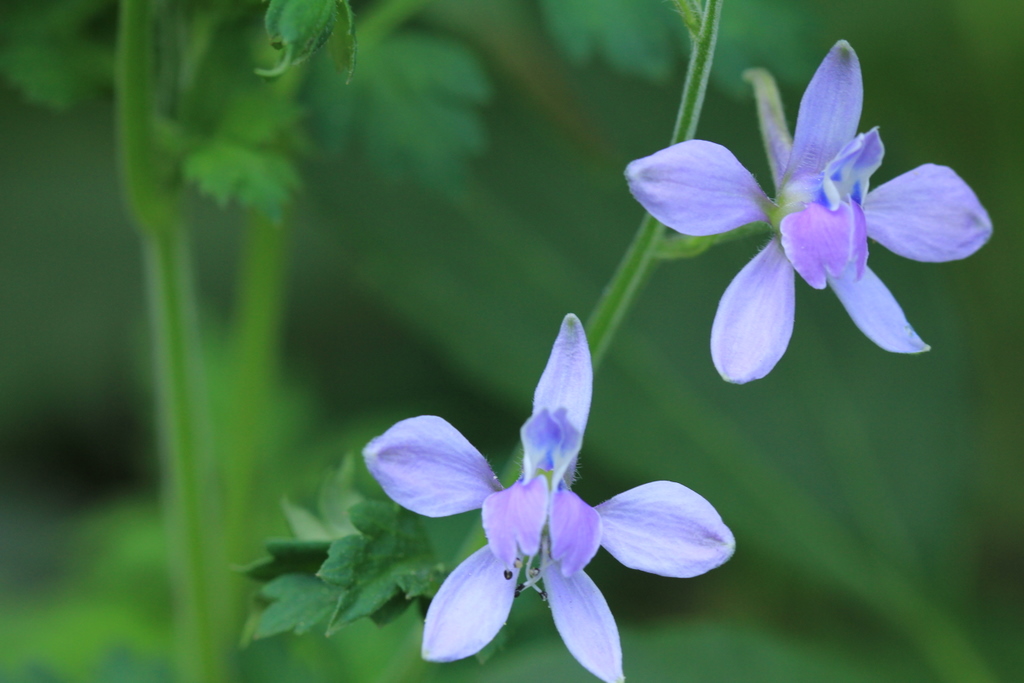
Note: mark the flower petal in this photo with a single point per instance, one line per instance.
(514, 519)
(665, 528)
(829, 112)
(755, 318)
(425, 465)
(568, 379)
(774, 130)
(575, 532)
(469, 609)
(820, 242)
(586, 624)
(928, 214)
(697, 188)
(876, 313)
(549, 442)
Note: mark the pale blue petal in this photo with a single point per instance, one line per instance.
(848, 176)
(928, 214)
(829, 113)
(697, 188)
(549, 440)
(755, 318)
(425, 465)
(568, 378)
(514, 518)
(586, 624)
(469, 609)
(876, 313)
(575, 532)
(820, 242)
(665, 528)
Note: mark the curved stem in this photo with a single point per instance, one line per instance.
(639, 261)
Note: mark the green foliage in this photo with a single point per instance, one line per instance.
(390, 558)
(300, 28)
(342, 44)
(52, 52)
(247, 158)
(373, 573)
(636, 37)
(414, 107)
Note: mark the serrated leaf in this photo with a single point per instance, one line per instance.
(414, 107)
(299, 602)
(636, 37)
(288, 556)
(391, 557)
(260, 179)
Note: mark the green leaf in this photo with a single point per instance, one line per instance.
(636, 37)
(390, 558)
(414, 108)
(300, 28)
(260, 179)
(49, 52)
(299, 602)
(342, 44)
(287, 556)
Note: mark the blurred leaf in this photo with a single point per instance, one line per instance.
(299, 602)
(122, 666)
(779, 35)
(390, 558)
(413, 106)
(47, 51)
(288, 556)
(257, 178)
(636, 37)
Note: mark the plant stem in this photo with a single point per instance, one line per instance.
(639, 261)
(260, 309)
(189, 497)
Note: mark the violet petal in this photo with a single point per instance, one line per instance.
(820, 242)
(665, 528)
(469, 609)
(514, 518)
(875, 311)
(586, 624)
(755, 318)
(425, 465)
(697, 188)
(927, 214)
(829, 112)
(575, 532)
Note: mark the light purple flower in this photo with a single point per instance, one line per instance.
(821, 218)
(538, 527)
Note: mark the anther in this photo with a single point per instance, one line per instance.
(508, 574)
(519, 590)
(518, 564)
(534, 571)
(544, 595)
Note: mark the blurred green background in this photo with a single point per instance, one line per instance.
(445, 226)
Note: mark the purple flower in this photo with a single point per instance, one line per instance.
(538, 528)
(821, 219)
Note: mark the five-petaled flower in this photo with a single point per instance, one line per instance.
(538, 526)
(821, 219)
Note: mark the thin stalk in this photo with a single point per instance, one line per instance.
(260, 309)
(639, 261)
(189, 501)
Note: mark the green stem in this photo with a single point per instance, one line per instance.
(189, 500)
(639, 262)
(198, 567)
(260, 310)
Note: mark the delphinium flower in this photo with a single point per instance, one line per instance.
(540, 534)
(821, 219)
